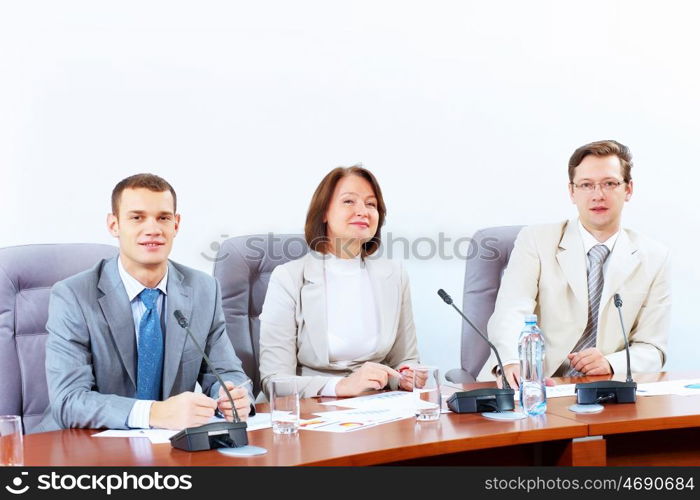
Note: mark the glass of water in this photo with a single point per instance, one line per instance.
(11, 450)
(426, 388)
(284, 405)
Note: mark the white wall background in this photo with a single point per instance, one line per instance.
(467, 112)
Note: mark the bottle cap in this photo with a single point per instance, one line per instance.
(531, 318)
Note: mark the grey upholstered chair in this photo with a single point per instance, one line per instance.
(243, 266)
(27, 274)
(489, 253)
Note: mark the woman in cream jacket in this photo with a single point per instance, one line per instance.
(339, 319)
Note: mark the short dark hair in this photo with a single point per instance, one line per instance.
(316, 230)
(148, 181)
(603, 148)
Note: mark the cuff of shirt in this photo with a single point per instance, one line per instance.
(140, 415)
(329, 388)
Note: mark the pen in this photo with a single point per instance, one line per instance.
(237, 387)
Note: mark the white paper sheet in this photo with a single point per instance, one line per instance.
(684, 387)
(395, 400)
(558, 391)
(157, 436)
(161, 436)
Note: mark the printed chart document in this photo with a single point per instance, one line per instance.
(352, 420)
(366, 411)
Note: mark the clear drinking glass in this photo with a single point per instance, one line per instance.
(426, 387)
(11, 445)
(284, 406)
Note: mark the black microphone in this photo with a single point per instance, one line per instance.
(610, 390)
(217, 434)
(480, 400)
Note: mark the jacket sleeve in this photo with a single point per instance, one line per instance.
(278, 336)
(405, 348)
(69, 370)
(221, 353)
(648, 337)
(517, 296)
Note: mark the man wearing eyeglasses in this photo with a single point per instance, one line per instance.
(567, 273)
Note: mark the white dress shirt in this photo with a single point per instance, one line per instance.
(140, 413)
(353, 323)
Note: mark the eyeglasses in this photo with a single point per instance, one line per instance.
(589, 187)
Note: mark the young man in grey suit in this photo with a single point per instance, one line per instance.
(115, 355)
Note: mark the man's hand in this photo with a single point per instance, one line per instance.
(590, 362)
(369, 377)
(240, 398)
(187, 409)
(512, 372)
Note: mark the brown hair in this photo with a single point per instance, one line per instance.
(603, 148)
(147, 181)
(315, 229)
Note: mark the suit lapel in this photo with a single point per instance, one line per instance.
(313, 303)
(386, 297)
(179, 297)
(623, 261)
(572, 261)
(117, 312)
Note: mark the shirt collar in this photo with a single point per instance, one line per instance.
(343, 266)
(589, 241)
(134, 287)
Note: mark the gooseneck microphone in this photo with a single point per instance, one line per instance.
(618, 305)
(448, 300)
(182, 321)
(611, 391)
(216, 434)
(480, 400)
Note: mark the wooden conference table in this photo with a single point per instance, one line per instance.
(657, 430)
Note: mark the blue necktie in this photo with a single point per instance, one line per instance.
(150, 368)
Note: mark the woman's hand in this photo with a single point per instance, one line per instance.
(369, 377)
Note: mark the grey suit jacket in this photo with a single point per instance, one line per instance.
(294, 328)
(91, 353)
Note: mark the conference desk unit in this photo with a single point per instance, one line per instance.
(657, 430)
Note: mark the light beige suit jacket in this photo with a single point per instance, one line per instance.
(546, 274)
(294, 328)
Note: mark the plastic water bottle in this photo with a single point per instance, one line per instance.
(533, 394)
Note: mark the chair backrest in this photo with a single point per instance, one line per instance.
(489, 253)
(243, 266)
(27, 274)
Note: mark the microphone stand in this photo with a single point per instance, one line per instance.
(480, 400)
(216, 434)
(610, 391)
